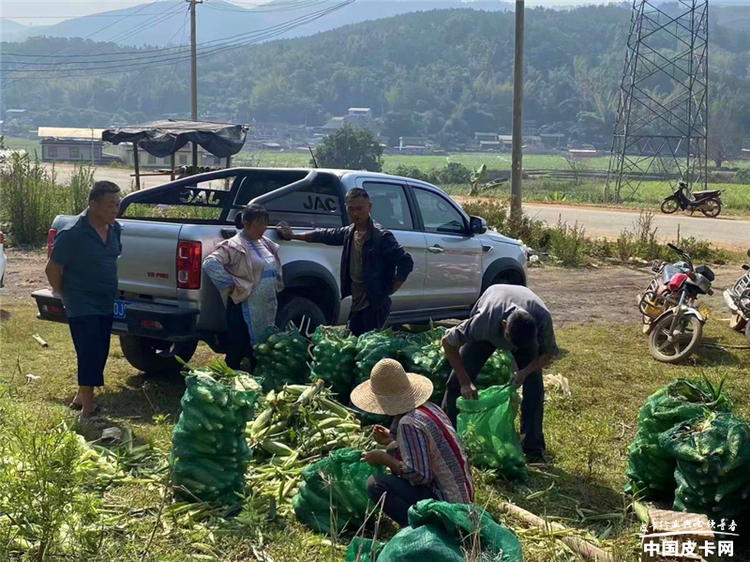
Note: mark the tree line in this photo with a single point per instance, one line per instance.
(445, 74)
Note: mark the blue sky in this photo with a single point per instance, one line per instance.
(53, 11)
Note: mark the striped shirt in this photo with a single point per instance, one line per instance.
(432, 454)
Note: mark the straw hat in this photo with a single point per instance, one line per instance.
(391, 390)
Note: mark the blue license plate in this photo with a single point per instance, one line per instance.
(120, 307)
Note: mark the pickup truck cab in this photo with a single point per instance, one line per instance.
(167, 305)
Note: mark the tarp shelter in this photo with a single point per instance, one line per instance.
(164, 138)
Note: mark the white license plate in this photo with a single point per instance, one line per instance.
(120, 307)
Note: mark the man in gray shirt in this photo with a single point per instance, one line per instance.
(512, 318)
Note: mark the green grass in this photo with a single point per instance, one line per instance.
(610, 374)
(736, 197)
(17, 143)
(471, 160)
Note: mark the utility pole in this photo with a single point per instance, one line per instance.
(516, 176)
(193, 76)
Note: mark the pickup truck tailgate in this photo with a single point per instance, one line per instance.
(147, 265)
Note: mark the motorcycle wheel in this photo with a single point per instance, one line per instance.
(737, 322)
(669, 206)
(711, 208)
(685, 339)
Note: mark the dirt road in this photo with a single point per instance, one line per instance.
(575, 296)
(609, 223)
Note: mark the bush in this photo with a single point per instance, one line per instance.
(743, 176)
(31, 199)
(350, 149)
(452, 173)
(569, 244)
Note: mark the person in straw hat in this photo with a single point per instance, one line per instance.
(423, 452)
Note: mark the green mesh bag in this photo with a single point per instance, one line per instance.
(487, 428)
(423, 354)
(363, 550)
(282, 359)
(374, 346)
(333, 496)
(209, 451)
(712, 454)
(446, 532)
(650, 468)
(334, 360)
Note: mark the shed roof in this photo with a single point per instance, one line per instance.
(70, 133)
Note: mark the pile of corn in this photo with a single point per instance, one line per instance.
(296, 427)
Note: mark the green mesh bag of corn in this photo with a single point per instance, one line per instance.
(712, 455)
(487, 428)
(333, 496)
(282, 359)
(650, 467)
(363, 550)
(448, 532)
(210, 454)
(498, 370)
(423, 354)
(334, 360)
(371, 348)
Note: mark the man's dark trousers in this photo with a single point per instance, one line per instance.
(91, 337)
(473, 356)
(370, 318)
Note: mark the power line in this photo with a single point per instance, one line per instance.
(216, 47)
(134, 56)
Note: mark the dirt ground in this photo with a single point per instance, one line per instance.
(575, 296)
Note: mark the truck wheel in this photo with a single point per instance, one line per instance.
(508, 277)
(298, 308)
(156, 356)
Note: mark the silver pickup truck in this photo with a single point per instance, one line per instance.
(166, 304)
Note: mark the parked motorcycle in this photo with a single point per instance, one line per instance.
(662, 292)
(677, 332)
(707, 202)
(738, 301)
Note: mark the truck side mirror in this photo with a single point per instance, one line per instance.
(478, 225)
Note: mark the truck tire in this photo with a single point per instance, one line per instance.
(154, 357)
(295, 309)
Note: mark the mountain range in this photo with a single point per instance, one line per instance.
(162, 23)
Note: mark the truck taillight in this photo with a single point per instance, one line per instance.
(2, 239)
(50, 241)
(189, 260)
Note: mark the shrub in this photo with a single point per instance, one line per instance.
(31, 198)
(569, 244)
(743, 176)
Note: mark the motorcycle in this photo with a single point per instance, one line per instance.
(707, 202)
(738, 301)
(662, 292)
(677, 332)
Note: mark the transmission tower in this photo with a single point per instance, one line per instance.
(662, 117)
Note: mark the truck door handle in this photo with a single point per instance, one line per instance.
(436, 249)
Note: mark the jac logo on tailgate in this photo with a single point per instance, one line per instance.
(157, 275)
(319, 203)
(198, 197)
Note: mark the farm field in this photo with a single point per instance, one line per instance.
(604, 357)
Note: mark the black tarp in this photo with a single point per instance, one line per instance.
(163, 138)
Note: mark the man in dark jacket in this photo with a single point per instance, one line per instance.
(373, 264)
